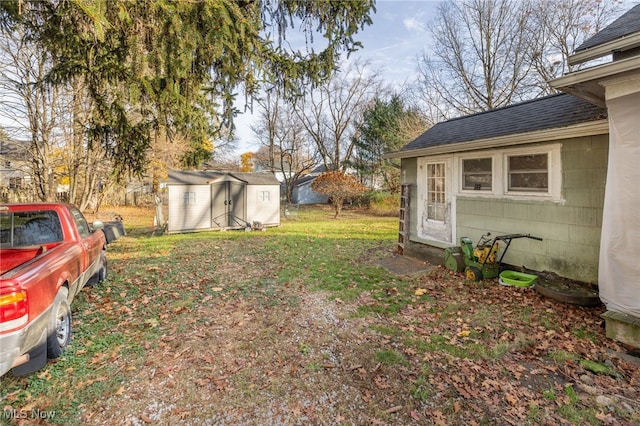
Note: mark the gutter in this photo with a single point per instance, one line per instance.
(571, 82)
(618, 45)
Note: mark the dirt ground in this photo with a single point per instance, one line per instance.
(461, 354)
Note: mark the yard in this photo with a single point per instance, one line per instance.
(298, 325)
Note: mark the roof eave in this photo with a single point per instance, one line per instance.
(591, 128)
(620, 44)
(585, 84)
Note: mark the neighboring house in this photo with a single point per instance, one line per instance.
(14, 165)
(201, 200)
(303, 193)
(564, 168)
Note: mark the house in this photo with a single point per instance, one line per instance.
(303, 193)
(15, 177)
(203, 200)
(563, 167)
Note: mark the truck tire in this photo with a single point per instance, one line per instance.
(103, 272)
(59, 334)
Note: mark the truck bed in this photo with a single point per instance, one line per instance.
(12, 258)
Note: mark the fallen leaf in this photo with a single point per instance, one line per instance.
(512, 399)
(420, 291)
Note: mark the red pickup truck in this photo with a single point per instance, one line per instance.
(48, 252)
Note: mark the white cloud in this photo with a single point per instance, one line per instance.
(413, 24)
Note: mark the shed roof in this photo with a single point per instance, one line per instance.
(203, 177)
(623, 26)
(550, 112)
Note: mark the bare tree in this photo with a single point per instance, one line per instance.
(288, 149)
(479, 59)
(491, 53)
(331, 112)
(53, 118)
(31, 105)
(556, 29)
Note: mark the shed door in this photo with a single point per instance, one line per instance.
(228, 204)
(237, 214)
(436, 202)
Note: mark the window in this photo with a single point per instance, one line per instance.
(81, 223)
(528, 173)
(264, 196)
(15, 183)
(31, 228)
(436, 197)
(189, 198)
(477, 174)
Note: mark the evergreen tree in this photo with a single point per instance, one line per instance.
(386, 126)
(175, 66)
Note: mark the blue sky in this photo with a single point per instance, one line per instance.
(392, 44)
(397, 37)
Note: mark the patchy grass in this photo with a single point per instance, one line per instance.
(298, 325)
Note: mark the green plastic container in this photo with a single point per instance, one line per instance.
(517, 279)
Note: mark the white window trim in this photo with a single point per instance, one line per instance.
(500, 173)
(460, 171)
(189, 198)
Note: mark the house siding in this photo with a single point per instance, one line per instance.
(570, 227)
(303, 194)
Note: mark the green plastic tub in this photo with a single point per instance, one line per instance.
(517, 279)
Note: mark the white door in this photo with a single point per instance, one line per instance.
(436, 201)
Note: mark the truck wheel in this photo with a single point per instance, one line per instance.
(103, 272)
(59, 334)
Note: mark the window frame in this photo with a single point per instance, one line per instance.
(500, 172)
(491, 173)
(262, 198)
(189, 198)
(510, 173)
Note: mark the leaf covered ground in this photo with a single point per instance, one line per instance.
(298, 325)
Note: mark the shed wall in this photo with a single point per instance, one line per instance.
(263, 204)
(192, 213)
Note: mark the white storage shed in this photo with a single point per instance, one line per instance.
(202, 200)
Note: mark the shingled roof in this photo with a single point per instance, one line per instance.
(623, 26)
(203, 177)
(550, 112)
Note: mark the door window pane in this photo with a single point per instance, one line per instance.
(436, 200)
